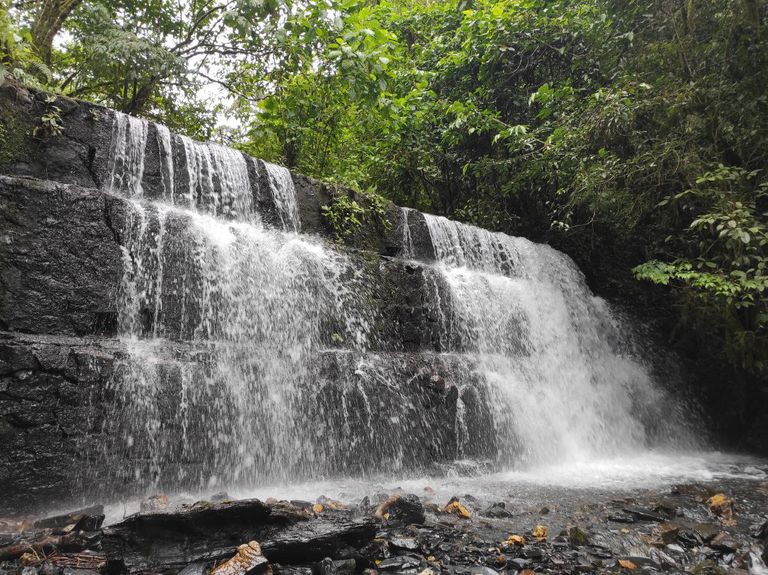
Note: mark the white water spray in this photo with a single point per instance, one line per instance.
(563, 385)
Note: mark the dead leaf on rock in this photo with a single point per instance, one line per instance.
(29, 558)
(331, 503)
(516, 540)
(455, 507)
(627, 564)
(154, 503)
(540, 532)
(248, 559)
(722, 506)
(318, 508)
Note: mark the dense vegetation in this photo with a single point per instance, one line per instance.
(633, 134)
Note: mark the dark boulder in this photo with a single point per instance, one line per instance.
(213, 531)
(404, 509)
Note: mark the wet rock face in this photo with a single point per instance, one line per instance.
(50, 390)
(58, 424)
(59, 259)
(70, 157)
(413, 314)
(80, 156)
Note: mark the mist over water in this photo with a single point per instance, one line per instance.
(252, 355)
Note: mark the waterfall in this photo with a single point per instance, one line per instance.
(165, 149)
(217, 180)
(126, 155)
(554, 357)
(259, 302)
(227, 316)
(405, 240)
(249, 349)
(284, 196)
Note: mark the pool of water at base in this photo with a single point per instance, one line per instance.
(564, 485)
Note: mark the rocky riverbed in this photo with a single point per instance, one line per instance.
(713, 526)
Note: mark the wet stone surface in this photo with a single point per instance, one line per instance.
(718, 528)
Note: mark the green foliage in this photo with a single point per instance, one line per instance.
(347, 217)
(50, 121)
(630, 134)
(344, 216)
(18, 59)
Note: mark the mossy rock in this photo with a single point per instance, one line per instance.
(16, 143)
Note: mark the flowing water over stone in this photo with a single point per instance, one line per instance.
(565, 381)
(126, 166)
(253, 353)
(259, 302)
(283, 196)
(217, 180)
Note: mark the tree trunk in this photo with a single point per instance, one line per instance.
(49, 18)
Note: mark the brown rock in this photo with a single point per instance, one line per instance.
(668, 532)
(724, 542)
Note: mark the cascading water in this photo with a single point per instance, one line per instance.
(252, 305)
(554, 357)
(284, 196)
(165, 150)
(126, 165)
(405, 240)
(255, 303)
(217, 180)
(233, 376)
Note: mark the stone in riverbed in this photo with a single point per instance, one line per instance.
(621, 518)
(406, 509)
(199, 568)
(205, 532)
(575, 535)
(760, 530)
(724, 542)
(497, 510)
(645, 514)
(707, 568)
(408, 543)
(324, 567)
(400, 563)
(88, 519)
(519, 563)
(668, 532)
